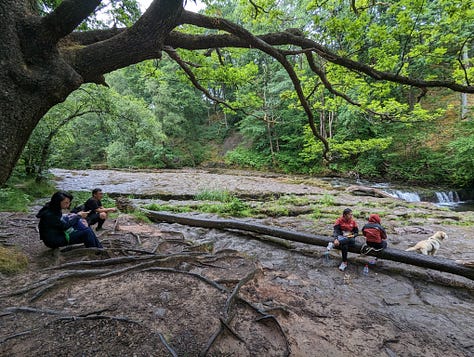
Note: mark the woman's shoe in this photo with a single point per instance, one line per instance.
(343, 266)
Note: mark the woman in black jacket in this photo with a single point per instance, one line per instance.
(56, 232)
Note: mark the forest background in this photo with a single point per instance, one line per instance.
(242, 110)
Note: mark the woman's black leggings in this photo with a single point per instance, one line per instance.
(344, 244)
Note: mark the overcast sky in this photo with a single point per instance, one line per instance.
(191, 6)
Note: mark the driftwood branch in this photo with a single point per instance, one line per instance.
(436, 263)
(368, 191)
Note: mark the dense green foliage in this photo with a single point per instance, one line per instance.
(152, 117)
(21, 191)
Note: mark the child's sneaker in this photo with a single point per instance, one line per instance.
(343, 266)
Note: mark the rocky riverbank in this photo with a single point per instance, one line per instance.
(165, 288)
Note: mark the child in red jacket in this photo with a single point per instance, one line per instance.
(375, 234)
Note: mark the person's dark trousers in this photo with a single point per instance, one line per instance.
(374, 245)
(86, 236)
(344, 244)
(94, 218)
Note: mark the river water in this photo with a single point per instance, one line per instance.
(457, 200)
(188, 182)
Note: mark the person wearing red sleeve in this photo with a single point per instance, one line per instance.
(345, 231)
(374, 233)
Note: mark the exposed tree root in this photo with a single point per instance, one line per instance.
(16, 309)
(137, 237)
(141, 261)
(267, 317)
(231, 299)
(97, 317)
(103, 262)
(199, 276)
(228, 317)
(47, 282)
(65, 317)
(167, 346)
(19, 334)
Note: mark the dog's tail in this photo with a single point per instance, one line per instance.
(411, 249)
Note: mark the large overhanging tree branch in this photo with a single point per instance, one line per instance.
(195, 81)
(144, 40)
(255, 42)
(181, 40)
(292, 37)
(174, 56)
(67, 16)
(327, 84)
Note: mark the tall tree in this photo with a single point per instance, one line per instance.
(44, 57)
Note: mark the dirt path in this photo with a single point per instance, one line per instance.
(164, 289)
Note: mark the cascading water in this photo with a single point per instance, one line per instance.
(406, 196)
(447, 198)
(460, 200)
(440, 197)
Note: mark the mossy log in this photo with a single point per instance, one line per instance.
(368, 191)
(430, 262)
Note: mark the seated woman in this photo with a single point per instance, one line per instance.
(55, 229)
(345, 231)
(375, 235)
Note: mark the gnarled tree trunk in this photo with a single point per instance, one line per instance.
(33, 78)
(40, 66)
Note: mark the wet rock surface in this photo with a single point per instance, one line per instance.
(185, 183)
(397, 310)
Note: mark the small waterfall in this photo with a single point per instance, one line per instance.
(407, 196)
(459, 200)
(447, 197)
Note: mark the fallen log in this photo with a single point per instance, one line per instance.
(368, 191)
(425, 261)
(467, 263)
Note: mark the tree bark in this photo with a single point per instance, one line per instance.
(38, 70)
(33, 78)
(436, 263)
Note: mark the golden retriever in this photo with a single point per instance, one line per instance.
(429, 246)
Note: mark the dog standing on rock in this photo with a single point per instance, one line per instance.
(429, 246)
